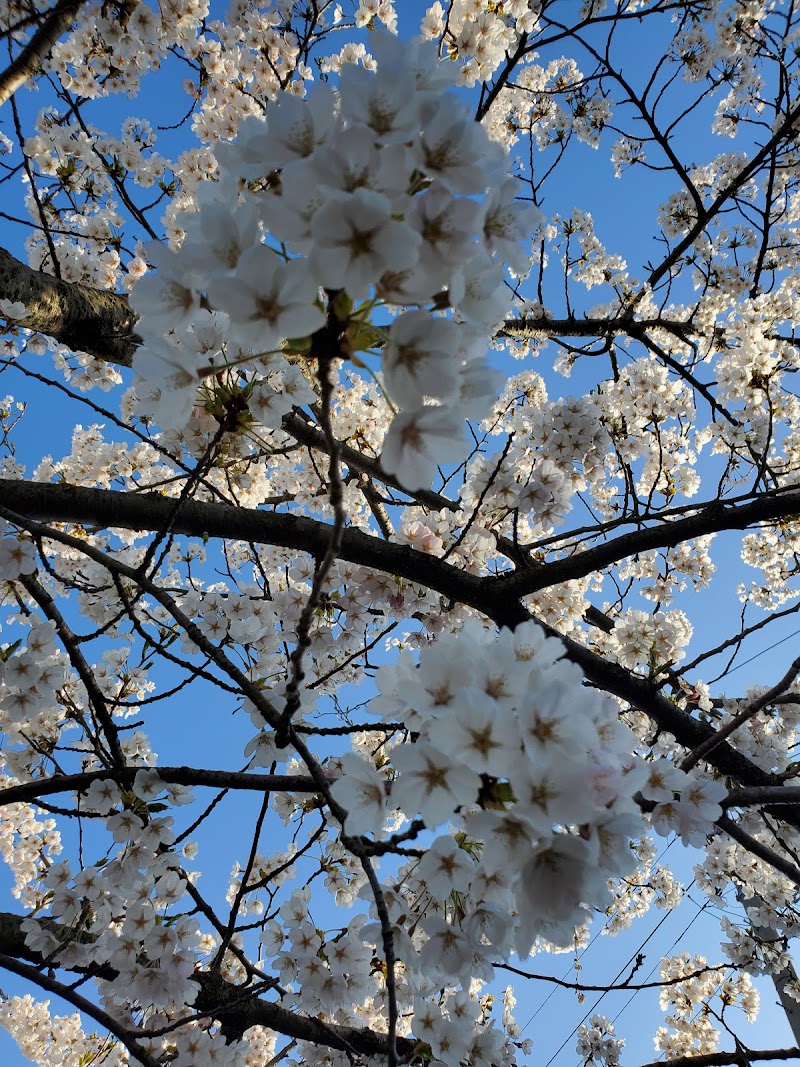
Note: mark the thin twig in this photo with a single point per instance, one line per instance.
(752, 709)
(325, 360)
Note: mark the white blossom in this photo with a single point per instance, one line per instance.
(361, 792)
(417, 441)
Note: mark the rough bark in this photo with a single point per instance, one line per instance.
(104, 324)
(497, 595)
(189, 776)
(721, 1059)
(533, 326)
(76, 315)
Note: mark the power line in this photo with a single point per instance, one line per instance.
(598, 933)
(554, 989)
(619, 974)
(683, 932)
(763, 652)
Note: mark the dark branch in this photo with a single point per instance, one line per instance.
(76, 315)
(187, 776)
(721, 1059)
(495, 598)
(219, 1000)
(710, 518)
(533, 326)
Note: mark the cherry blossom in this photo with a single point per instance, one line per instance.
(267, 300)
(430, 785)
(356, 240)
(417, 361)
(419, 439)
(362, 793)
(336, 560)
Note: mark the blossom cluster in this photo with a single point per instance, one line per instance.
(17, 554)
(686, 1034)
(34, 1029)
(371, 195)
(27, 842)
(650, 884)
(119, 905)
(110, 50)
(327, 973)
(535, 773)
(697, 806)
(29, 680)
(560, 448)
(597, 1043)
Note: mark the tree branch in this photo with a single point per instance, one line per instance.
(25, 501)
(103, 323)
(307, 434)
(530, 327)
(79, 316)
(149, 512)
(188, 776)
(45, 981)
(218, 999)
(721, 1059)
(764, 852)
(771, 795)
(29, 61)
(711, 518)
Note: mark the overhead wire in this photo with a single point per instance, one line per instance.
(763, 652)
(700, 909)
(590, 1011)
(602, 930)
(579, 956)
(649, 975)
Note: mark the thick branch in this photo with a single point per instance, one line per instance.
(712, 518)
(496, 597)
(29, 61)
(188, 776)
(722, 1059)
(758, 848)
(489, 595)
(76, 315)
(532, 326)
(151, 512)
(230, 1005)
(749, 798)
(103, 324)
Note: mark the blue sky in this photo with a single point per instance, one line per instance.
(551, 1014)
